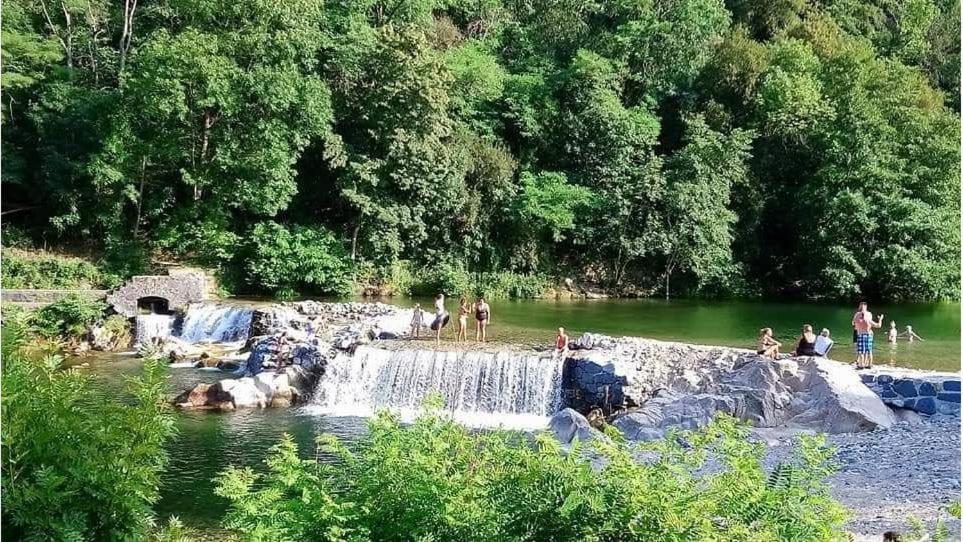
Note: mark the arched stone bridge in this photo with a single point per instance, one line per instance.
(177, 290)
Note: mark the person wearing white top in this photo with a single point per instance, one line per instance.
(823, 343)
(441, 317)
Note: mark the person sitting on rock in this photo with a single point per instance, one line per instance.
(807, 342)
(768, 345)
(823, 343)
(561, 342)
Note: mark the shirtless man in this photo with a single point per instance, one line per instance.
(864, 324)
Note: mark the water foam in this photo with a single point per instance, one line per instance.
(480, 389)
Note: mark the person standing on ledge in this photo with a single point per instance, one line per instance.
(441, 317)
(417, 317)
(864, 324)
(483, 316)
(463, 310)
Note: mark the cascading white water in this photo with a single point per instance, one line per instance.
(479, 388)
(206, 322)
(151, 326)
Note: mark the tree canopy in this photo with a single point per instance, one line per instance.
(678, 147)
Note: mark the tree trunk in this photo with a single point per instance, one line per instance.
(354, 240)
(126, 35)
(140, 195)
(205, 143)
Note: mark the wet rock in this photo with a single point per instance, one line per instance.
(270, 320)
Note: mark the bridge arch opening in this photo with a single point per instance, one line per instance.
(153, 305)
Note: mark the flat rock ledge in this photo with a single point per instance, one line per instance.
(647, 386)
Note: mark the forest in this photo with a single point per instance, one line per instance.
(683, 148)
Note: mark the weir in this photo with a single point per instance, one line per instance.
(207, 322)
(153, 326)
(479, 388)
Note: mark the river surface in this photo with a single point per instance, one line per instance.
(208, 442)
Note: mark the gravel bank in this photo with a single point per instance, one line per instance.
(888, 476)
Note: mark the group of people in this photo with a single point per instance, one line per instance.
(810, 344)
(480, 308)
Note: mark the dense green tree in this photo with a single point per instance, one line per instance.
(417, 135)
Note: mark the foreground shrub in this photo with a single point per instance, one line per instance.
(77, 465)
(68, 318)
(23, 269)
(436, 480)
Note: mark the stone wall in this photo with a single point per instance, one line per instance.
(923, 392)
(179, 290)
(39, 298)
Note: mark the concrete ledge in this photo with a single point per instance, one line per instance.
(921, 391)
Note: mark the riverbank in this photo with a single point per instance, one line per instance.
(887, 477)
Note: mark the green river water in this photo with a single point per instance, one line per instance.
(207, 442)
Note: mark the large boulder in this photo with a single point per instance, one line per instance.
(244, 392)
(833, 398)
(668, 410)
(205, 396)
(568, 426)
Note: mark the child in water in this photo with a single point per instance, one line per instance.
(910, 334)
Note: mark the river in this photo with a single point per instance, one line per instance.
(208, 442)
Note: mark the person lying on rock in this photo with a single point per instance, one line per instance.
(768, 345)
(807, 342)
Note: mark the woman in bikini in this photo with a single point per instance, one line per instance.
(463, 311)
(768, 346)
(483, 316)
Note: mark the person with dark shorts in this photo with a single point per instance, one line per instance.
(483, 317)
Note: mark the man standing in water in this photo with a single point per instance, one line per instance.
(864, 324)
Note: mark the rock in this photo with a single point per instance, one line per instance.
(244, 392)
(568, 426)
(205, 396)
(836, 401)
(652, 419)
(270, 320)
(228, 366)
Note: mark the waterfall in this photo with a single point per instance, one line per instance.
(479, 388)
(206, 322)
(150, 326)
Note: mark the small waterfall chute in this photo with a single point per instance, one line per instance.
(205, 322)
(152, 326)
(485, 389)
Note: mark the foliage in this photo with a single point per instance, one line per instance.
(25, 269)
(299, 259)
(558, 138)
(437, 480)
(68, 318)
(77, 465)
